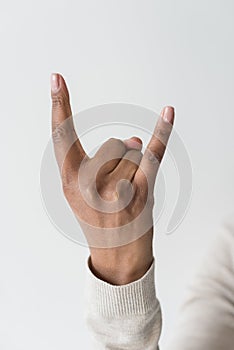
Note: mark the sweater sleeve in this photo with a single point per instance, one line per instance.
(123, 317)
(206, 318)
(129, 316)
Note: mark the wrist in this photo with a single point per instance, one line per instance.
(117, 276)
(125, 264)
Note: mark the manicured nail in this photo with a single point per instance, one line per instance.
(168, 114)
(54, 82)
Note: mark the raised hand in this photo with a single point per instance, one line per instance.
(111, 194)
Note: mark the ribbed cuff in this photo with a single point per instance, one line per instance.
(130, 299)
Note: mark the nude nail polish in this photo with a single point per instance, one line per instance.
(54, 82)
(168, 114)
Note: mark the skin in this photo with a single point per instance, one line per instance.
(119, 176)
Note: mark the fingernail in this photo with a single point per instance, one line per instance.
(168, 114)
(54, 82)
(134, 142)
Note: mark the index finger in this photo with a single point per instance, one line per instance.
(68, 149)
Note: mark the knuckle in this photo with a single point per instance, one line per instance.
(157, 157)
(154, 157)
(61, 131)
(59, 101)
(133, 153)
(161, 133)
(58, 134)
(90, 193)
(124, 186)
(91, 189)
(134, 156)
(116, 143)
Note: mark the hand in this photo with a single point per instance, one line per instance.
(111, 194)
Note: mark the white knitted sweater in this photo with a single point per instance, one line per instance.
(129, 316)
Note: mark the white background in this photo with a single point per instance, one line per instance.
(151, 53)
